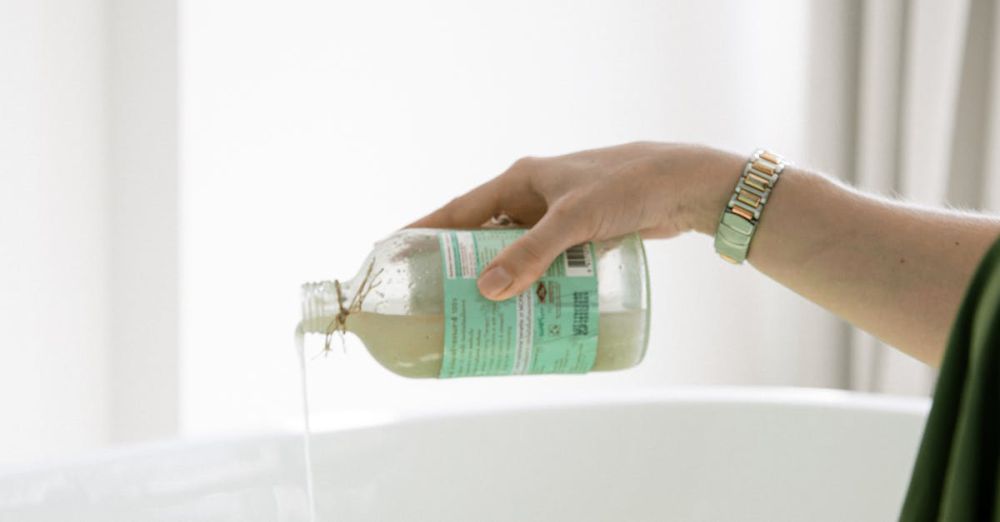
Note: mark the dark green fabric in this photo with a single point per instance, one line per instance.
(955, 476)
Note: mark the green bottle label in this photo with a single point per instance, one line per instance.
(550, 328)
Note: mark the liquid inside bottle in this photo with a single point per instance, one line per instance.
(401, 306)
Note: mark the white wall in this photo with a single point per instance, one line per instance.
(143, 114)
(305, 131)
(88, 219)
(310, 129)
(54, 229)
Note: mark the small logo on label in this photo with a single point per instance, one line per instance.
(541, 292)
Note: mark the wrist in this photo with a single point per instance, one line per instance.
(711, 189)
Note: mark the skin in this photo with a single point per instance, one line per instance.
(896, 270)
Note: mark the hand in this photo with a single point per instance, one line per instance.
(658, 190)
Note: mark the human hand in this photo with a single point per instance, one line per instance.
(659, 190)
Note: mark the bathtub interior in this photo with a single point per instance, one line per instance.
(734, 456)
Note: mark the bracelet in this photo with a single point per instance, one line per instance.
(739, 220)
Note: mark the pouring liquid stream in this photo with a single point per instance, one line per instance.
(300, 348)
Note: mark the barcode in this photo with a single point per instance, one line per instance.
(575, 257)
(578, 261)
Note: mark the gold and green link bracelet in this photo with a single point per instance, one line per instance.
(739, 220)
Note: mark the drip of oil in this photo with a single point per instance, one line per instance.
(300, 348)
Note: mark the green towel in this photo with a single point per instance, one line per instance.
(956, 474)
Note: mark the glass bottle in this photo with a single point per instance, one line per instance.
(415, 307)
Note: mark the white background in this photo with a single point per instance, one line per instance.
(55, 230)
(173, 172)
(312, 129)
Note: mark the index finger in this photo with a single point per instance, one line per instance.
(469, 210)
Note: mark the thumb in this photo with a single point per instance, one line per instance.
(520, 264)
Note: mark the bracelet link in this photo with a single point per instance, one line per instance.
(741, 215)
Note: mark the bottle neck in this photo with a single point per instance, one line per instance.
(324, 305)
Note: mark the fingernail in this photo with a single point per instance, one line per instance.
(494, 281)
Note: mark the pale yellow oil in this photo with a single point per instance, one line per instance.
(413, 345)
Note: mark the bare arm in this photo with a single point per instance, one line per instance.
(898, 271)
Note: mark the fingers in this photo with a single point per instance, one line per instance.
(467, 211)
(523, 262)
(511, 192)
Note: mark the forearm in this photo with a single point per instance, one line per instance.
(898, 271)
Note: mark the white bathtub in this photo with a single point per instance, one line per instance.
(711, 454)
